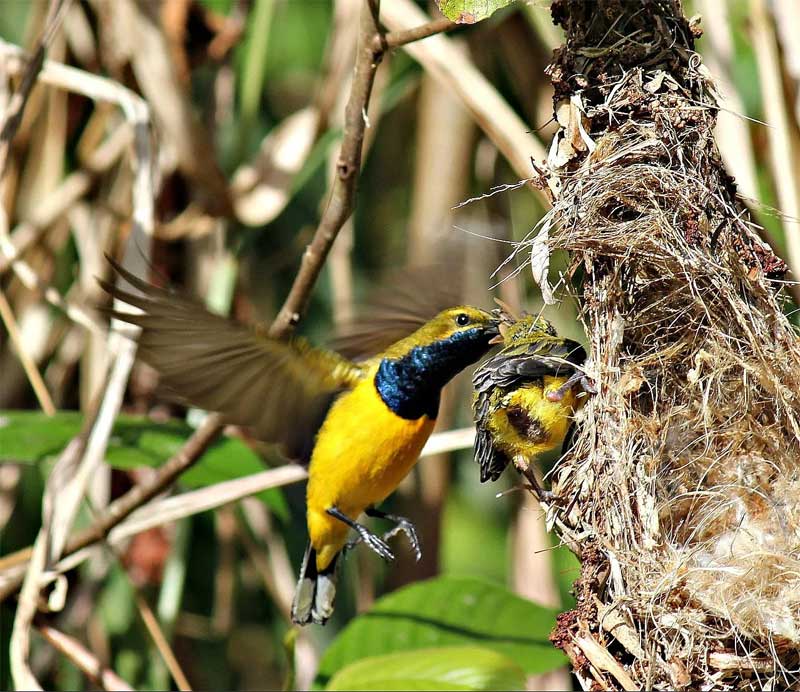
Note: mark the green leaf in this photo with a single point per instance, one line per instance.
(31, 437)
(470, 11)
(443, 668)
(254, 66)
(448, 611)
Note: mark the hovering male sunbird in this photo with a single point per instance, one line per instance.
(524, 394)
(361, 425)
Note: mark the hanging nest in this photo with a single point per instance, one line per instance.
(681, 494)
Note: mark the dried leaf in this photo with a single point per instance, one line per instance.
(261, 189)
(540, 262)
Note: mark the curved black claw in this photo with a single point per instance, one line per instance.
(406, 527)
(577, 378)
(544, 495)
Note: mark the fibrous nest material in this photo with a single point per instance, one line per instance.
(682, 491)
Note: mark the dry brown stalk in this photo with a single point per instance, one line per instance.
(16, 106)
(34, 376)
(69, 478)
(680, 494)
(454, 71)
(84, 659)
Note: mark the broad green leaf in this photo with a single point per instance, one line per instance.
(448, 611)
(470, 11)
(31, 437)
(443, 668)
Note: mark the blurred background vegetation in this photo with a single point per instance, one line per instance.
(247, 100)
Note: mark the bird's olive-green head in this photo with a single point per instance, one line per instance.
(527, 328)
(411, 373)
(462, 326)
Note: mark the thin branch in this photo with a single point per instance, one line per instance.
(338, 211)
(340, 205)
(84, 659)
(164, 649)
(34, 376)
(395, 39)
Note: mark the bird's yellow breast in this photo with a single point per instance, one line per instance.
(362, 453)
(525, 422)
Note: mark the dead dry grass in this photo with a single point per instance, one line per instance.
(684, 484)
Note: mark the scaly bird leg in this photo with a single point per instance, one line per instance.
(401, 525)
(364, 535)
(524, 467)
(586, 384)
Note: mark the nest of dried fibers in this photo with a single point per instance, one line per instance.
(683, 487)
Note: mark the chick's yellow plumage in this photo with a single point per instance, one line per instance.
(360, 425)
(524, 399)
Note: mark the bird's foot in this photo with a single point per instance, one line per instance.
(523, 466)
(406, 527)
(376, 544)
(363, 535)
(577, 378)
(543, 495)
(402, 525)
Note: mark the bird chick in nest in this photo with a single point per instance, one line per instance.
(525, 396)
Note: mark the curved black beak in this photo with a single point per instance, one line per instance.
(492, 329)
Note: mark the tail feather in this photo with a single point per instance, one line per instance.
(303, 601)
(315, 592)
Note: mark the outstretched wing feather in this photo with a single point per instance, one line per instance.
(276, 387)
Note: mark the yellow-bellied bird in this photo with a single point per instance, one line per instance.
(361, 425)
(524, 396)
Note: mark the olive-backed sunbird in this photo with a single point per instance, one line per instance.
(359, 424)
(523, 395)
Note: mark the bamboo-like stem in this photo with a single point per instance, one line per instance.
(84, 659)
(16, 107)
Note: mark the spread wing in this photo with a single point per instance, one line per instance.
(509, 368)
(404, 302)
(281, 389)
(491, 460)
(529, 361)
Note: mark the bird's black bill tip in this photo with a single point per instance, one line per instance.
(493, 328)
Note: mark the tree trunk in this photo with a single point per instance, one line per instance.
(680, 494)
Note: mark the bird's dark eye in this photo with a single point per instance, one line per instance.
(462, 319)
